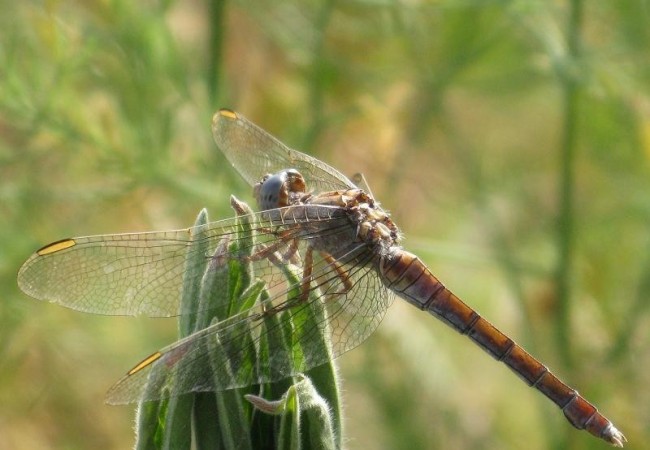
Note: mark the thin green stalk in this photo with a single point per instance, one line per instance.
(565, 230)
(216, 10)
(318, 76)
(634, 316)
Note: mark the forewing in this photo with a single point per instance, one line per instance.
(255, 153)
(140, 273)
(115, 274)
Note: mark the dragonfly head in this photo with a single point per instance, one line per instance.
(284, 188)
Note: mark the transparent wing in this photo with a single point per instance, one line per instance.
(255, 153)
(360, 181)
(143, 273)
(115, 274)
(283, 332)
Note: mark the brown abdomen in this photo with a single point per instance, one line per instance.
(406, 275)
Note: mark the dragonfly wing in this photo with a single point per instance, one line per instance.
(360, 181)
(279, 336)
(135, 273)
(255, 153)
(118, 274)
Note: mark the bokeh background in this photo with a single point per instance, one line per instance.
(509, 139)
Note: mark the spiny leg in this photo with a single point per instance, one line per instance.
(307, 269)
(304, 283)
(284, 239)
(291, 254)
(338, 268)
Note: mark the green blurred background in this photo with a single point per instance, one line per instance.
(510, 140)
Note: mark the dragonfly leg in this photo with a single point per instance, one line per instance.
(291, 254)
(307, 269)
(338, 268)
(285, 239)
(304, 287)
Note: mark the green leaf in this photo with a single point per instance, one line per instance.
(305, 417)
(312, 317)
(224, 419)
(172, 428)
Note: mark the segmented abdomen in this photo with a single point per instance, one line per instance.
(406, 275)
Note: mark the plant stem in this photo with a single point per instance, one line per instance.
(215, 48)
(570, 85)
(319, 76)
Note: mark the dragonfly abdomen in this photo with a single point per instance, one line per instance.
(406, 275)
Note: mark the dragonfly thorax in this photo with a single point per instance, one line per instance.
(373, 225)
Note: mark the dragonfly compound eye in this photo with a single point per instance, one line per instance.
(269, 193)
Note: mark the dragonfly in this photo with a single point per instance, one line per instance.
(342, 247)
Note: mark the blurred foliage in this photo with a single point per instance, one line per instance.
(510, 140)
